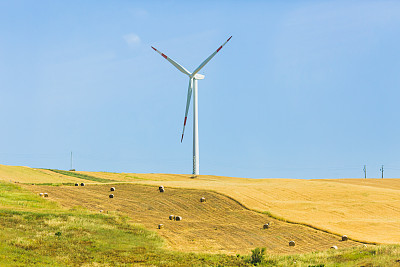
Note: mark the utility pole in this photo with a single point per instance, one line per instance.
(71, 162)
(365, 171)
(382, 171)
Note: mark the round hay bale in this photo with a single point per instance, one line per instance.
(161, 186)
(266, 226)
(101, 210)
(82, 184)
(111, 196)
(46, 195)
(160, 226)
(203, 199)
(76, 184)
(334, 247)
(112, 189)
(364, 245)
(345, 238)
(41, 194)
(162, 190)
(291, 243)
(178, 218)
(171, 217)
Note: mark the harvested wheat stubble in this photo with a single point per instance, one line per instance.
(221, 226)
(337, 205)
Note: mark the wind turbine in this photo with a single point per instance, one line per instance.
(193, 78)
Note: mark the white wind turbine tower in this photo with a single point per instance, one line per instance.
(193, 77)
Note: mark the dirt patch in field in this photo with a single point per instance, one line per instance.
(219, 225)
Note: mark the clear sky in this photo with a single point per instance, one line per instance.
(304, 89)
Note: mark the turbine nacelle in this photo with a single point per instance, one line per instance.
(199, 76)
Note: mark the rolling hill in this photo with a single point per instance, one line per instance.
(367, 210)
(219, 225)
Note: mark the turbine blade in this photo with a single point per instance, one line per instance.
(189, 97)
(209, 58)
(179, 67)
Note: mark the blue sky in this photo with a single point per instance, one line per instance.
(304, 89)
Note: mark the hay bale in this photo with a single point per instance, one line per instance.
(291, 243)
(46, 195)
(82, 184)
(112, 189)
(334, 247)
(101, 211)
(172, 217)
(161, 186)
(178, 218)
(111, 196)
(266, 226)
(76, 184)
(203, 199)
(160, 226)
(345, 238)
(162, 190)
(41, 194)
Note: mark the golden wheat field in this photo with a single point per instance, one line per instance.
(364, 209)
(30, 175)
(218, 225)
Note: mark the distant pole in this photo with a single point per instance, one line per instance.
(382, 171)
(71, 160)
(365, 171)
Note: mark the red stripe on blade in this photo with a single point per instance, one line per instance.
(229, 38)
(164, 56)
(182, 138)
(184, 124)
(219, 48)
(154, 49)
